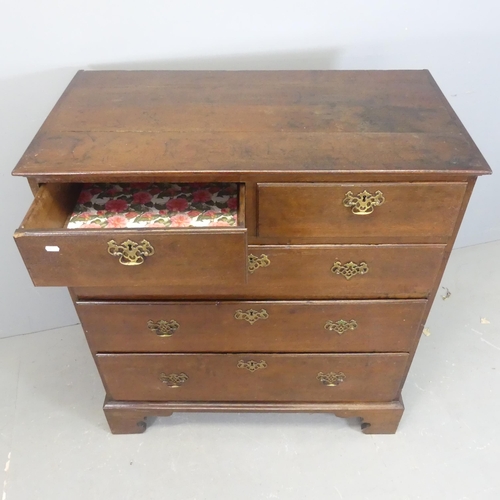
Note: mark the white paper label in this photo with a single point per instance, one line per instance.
(52, 249)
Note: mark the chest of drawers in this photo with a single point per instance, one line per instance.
(304, 289)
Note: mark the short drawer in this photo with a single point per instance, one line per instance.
(58, 256)
(252, 377)
(315, 272)
(313, 326)
(416, 212)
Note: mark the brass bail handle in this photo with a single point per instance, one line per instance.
(163, 328)
(174, 380)
(363, 203)
(129, 252)
(331, 379)
(341, 326)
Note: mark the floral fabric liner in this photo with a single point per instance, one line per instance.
(138, 205)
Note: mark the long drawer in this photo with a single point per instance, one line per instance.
(312, 326)
(315, 272)
(252, 377)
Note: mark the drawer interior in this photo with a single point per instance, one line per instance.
(137, 205)
(116, 255)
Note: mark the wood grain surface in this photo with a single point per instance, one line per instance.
(381, 325)
(298, 271)
(113, 123)
(411, 212)
(217, 377)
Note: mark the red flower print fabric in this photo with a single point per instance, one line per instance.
(155, 205)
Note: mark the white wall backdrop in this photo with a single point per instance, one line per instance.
(42, 44)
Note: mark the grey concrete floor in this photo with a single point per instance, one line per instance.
(55, 443)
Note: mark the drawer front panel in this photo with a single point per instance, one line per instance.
(371, 212)
(57, 256)
(295, 272)
(83, 258)
(343, 326)
(252, 377)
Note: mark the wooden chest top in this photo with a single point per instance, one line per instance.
(236, 125)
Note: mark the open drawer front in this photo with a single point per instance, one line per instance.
(59, 250)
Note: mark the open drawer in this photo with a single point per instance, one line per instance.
(60, 251)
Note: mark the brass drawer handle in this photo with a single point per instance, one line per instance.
(173, 380)
(341, 326)
(255, 262)
(350, 269)
(331, 379)
(363, 203)
(251, 315)
(130, 252)
(252, 365)
(163, 328)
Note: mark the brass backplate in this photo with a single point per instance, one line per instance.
(130, 252)
(331, 379)
(251, 315)
(363, 203)
(163, 328)
(173, 380)
(350, 269)
(255, 262)
(341, 326)
(252, 365)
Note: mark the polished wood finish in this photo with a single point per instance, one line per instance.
(34, 185)
(125, 420)
(376, 418)
(382, 325)
(185, 122)
(182, 256)
(132, 417)
(295, 272)
(313, 211)
(435, 288)
(296, 142)
(217, 377)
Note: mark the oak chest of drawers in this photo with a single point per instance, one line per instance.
(249, 241)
